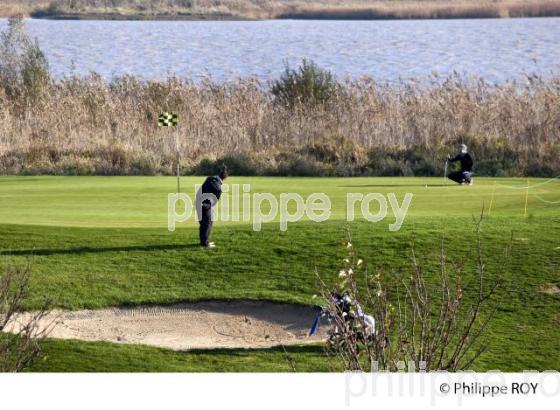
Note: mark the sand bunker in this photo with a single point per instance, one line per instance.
(190, 325)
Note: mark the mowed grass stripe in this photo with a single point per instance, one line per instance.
(155, 269)
(142, 201)
(97, 267)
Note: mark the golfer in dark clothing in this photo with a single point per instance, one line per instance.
(207, 197)
(465, 174)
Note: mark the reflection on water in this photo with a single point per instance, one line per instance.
(496, 50)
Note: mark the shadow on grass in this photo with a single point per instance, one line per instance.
(316, 348)
(398, 186)
(86, 249)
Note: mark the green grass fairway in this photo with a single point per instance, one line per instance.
(141, 202)
(103, 241)
(76, 356)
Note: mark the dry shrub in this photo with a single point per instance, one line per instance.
(24, 71)
(306, 86)
(412, 326)
(19, 347)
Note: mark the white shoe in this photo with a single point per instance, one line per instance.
(211, 245)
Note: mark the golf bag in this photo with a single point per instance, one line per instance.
(343, 314)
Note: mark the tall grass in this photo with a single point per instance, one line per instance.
(311, 9)
(21, 7)
(430, 9)
(90, 126)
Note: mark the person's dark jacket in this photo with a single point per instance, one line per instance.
(212, 185)
(465, 160)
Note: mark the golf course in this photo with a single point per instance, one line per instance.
(99, 242)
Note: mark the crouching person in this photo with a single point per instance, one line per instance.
(206, 199)
(464, 175)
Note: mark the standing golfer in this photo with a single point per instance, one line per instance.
(206, 198)
(465, 174)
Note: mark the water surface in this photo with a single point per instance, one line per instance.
(496, 49)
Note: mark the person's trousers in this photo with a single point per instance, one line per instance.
(205, 227)
(460, 177)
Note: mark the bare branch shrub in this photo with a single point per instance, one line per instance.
(20, 334)
(415, 326)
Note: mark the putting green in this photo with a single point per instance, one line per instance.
(103, 241)
(143, 201)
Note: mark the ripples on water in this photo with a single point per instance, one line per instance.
(496, 50)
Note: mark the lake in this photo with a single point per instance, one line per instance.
(389, 51)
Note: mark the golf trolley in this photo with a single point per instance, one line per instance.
(347, 321)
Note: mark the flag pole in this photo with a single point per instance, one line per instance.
(526, 198)
(167, 119)
(178, 159)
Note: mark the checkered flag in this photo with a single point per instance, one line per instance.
(167, 119)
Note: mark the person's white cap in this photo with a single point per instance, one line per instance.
(463, 147)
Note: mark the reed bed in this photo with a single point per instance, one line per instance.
(398, 10)
(92, 126)
(301, 9)
(21, 7)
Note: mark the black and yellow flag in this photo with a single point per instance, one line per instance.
(167, 119)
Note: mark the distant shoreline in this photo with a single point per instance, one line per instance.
(290, 16)
(139, 17)
(248, 10)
